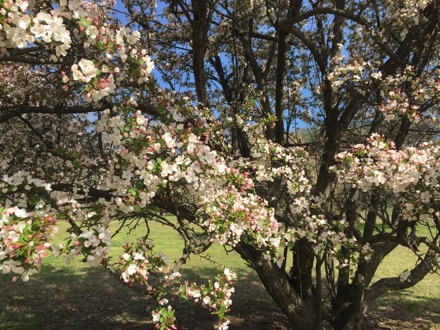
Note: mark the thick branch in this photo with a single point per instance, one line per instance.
(396, 283)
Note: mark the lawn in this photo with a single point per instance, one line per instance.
(79, 297)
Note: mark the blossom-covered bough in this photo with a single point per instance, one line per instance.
(305, 135)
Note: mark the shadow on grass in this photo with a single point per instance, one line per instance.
(65, 298)
(89, 298)
(404, 311)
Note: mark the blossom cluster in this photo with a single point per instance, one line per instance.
(92, 243)
(215, 296)
(20, 29)
(140, 265)
(351, 70)
(271, 161)
(120, 56)
(164, 318)
(287, 166)
(138, 261)
(152, 155)
(23, 181)
(404, 14)
(24, 240)
(406, 95)
(229, 216)
(410, 173)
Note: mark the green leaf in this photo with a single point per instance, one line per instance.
(84, 23)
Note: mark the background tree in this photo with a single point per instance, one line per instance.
(222, 145)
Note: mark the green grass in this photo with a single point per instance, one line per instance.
(168, 241)
(79, 297)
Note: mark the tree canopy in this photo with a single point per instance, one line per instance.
(293, 132)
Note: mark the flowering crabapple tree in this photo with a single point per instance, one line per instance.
(301, 134)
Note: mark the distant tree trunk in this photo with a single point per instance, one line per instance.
(200, 38)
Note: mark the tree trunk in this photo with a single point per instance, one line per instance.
(302, 313)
